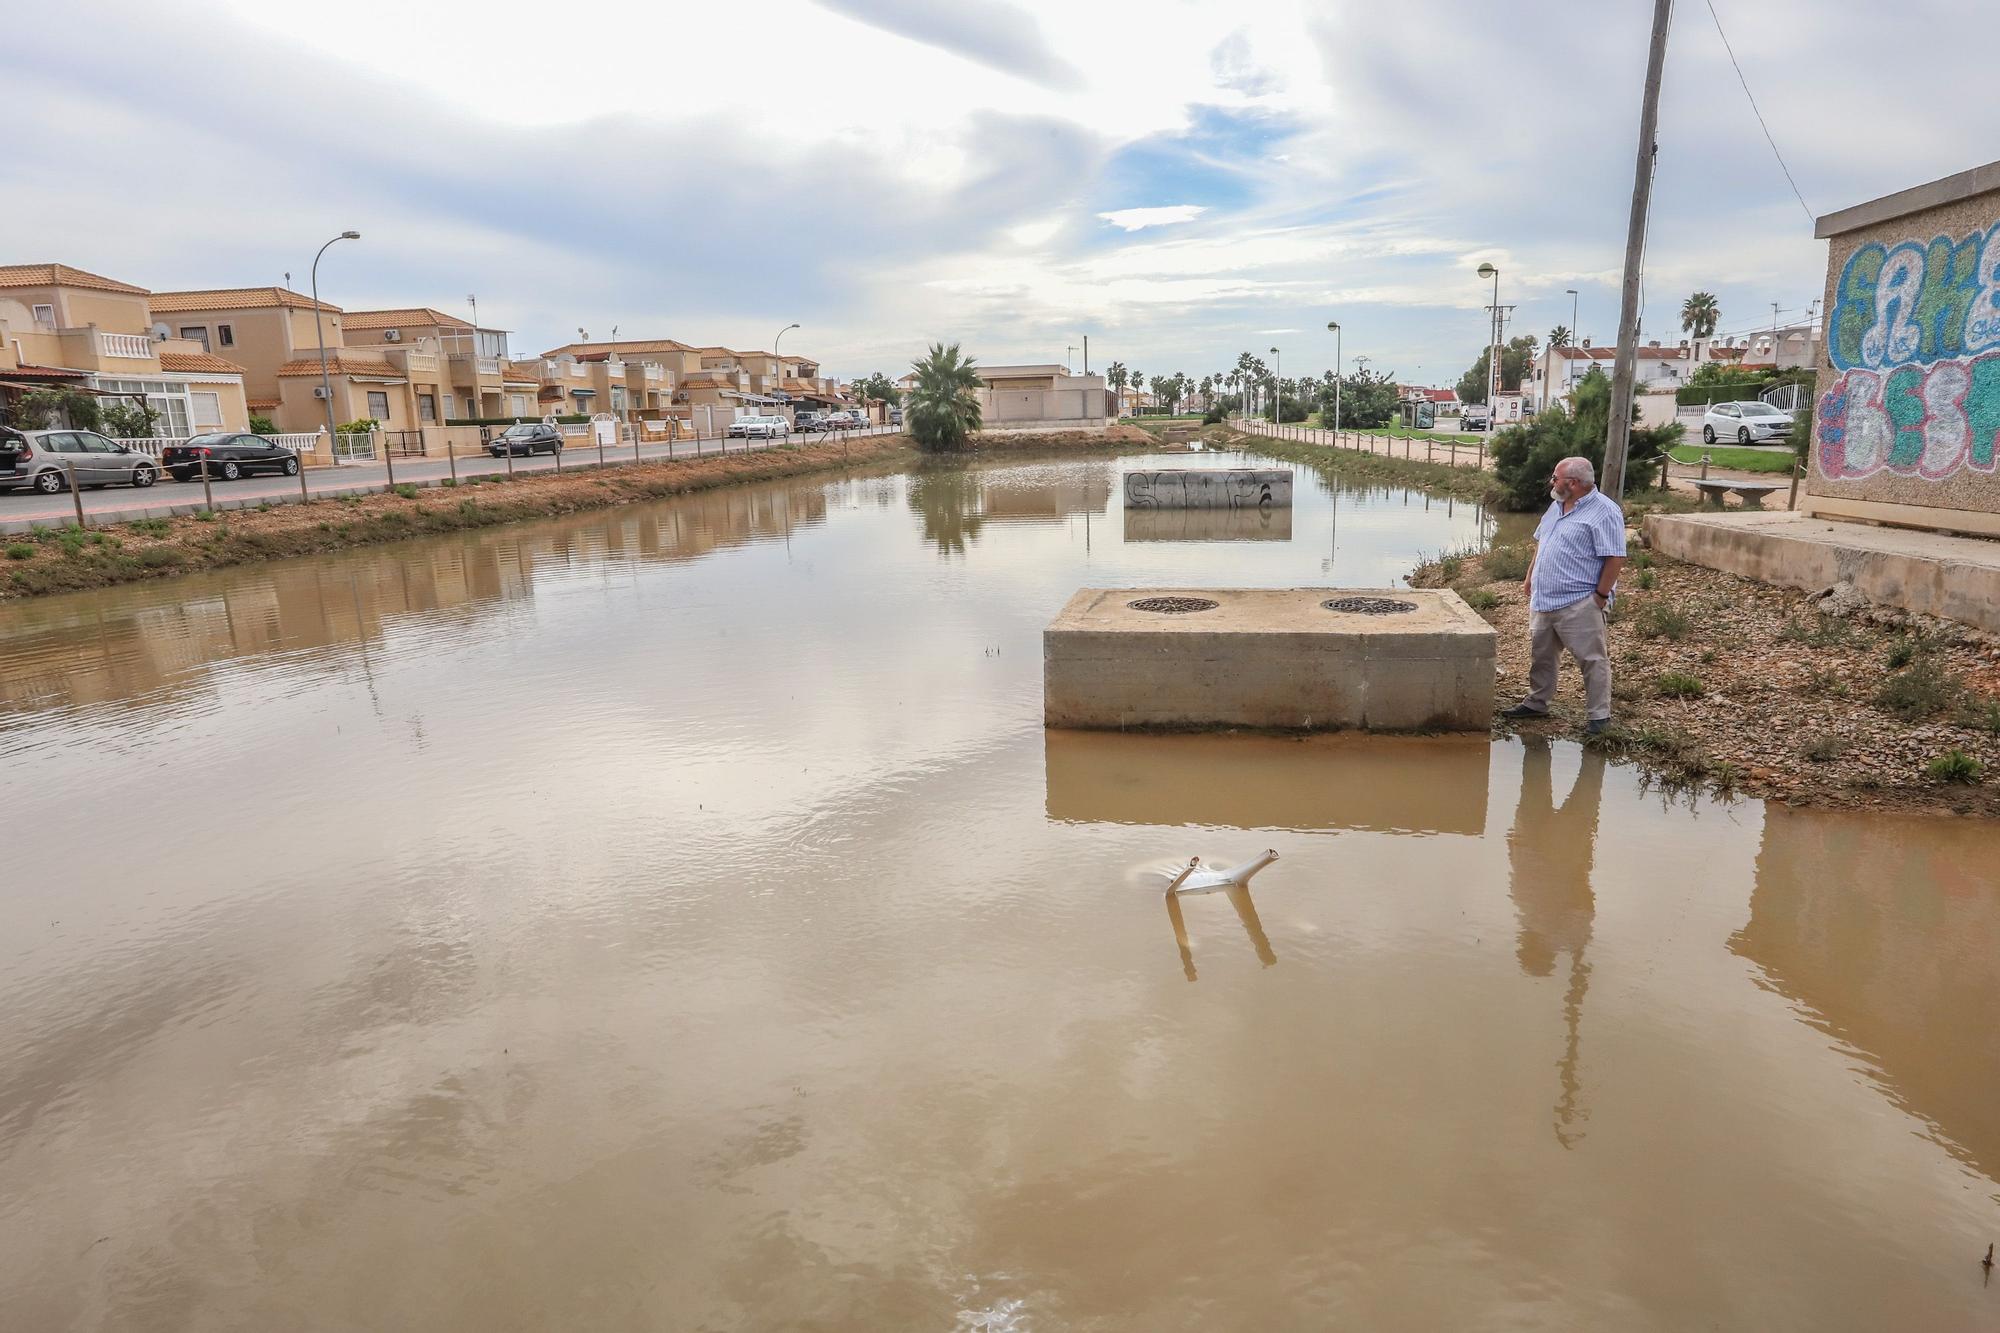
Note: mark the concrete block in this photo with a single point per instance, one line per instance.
(1274, 658)
(1930, 573)
(1208, 488)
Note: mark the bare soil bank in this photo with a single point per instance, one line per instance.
(1723, 683)
(70, 560)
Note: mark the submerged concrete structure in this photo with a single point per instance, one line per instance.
(1295, 659)
(1208, 488)
(1268, 524)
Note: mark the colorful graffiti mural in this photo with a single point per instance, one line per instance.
(1911, 329)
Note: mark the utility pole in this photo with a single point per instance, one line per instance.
(1618, 437)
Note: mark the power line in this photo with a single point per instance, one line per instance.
(1759, 114)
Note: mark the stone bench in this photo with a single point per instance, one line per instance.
(1752, 492)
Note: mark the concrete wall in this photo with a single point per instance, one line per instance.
(1907, 410)
(1210, 488)
(1002, 407)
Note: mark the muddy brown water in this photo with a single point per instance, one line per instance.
(678, 918)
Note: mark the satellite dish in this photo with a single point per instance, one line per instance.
(161, 332)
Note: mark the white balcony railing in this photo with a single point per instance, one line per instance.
(127, 346)
(486, 365)
(421, 361)
(654, 372)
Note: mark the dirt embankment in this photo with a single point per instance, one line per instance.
(68, 559)
(1724, 683)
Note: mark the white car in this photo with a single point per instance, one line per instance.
(759, 428)
(1745, 423)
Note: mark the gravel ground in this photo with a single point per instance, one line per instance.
(1812, 700)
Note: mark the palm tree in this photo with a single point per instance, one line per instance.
(1559, 336)
(1117, 379)
(943, 406)
(1700, 314)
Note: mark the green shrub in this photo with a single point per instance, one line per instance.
(1901, 653)
(1678, 685)
(1954, 765)
(1480, 599)
(204, 516)
(1659, 620)
(1922, 689)
(20, 551)
(1824, 632)
(1821, 749)
(407, 491)
(263, 426)
(358, 426)
(1508, 562)
(1642, 560)
(159, 557)
(1985, 715)
(1645, 580)
(150, 527)
(1525, 456)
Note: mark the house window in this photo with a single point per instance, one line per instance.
(448, 413)
(617, 399)
(519, 405)
(427, 407)
(205, 409)
(45, 316)
(378, 405)
(196, 334)
(225, 336)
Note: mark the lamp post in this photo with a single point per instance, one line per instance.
(1277, 387)
(325, 380)
(1574, 337)
(1493, 354)
(780, 338)
(1335, 326)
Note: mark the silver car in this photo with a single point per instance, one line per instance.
(47, 459)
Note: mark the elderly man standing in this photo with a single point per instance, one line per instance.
(1579, 549)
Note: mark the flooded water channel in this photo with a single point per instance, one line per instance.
(678, 918)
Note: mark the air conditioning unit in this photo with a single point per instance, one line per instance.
(320, 391)
(392, 335)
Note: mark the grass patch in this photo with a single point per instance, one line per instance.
(1954, 765)
(20, 551)
(1646, 580)
(1735, 459)
(1825, 682)
(1983, 714)
(1659, 620)
(1480, 599)
(407, 491)
(204, 516)
(1823, 749)
(150, 527)
(1642, 559)
(1820, 632)
(1922, 689)
(1508, 562)
(1677, 685)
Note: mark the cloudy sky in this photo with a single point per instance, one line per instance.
(1180, 179)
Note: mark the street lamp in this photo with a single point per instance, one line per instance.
(1493, 370)
(326, 380)
(1574, 338)
(780, 338)
(1335, 327)
(1277, 387)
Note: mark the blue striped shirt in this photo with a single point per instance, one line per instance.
(1570, 550)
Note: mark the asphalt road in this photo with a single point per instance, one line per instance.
(22, 510)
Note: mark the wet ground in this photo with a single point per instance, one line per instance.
(677, 917)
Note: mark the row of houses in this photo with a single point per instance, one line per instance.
(1661, 369)
(211, 359)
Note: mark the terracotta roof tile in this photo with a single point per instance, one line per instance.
(342, 361)
(198, 361)
(420, 316)
(233, 298)
(267, 402)
(580, 350)
(61, 275)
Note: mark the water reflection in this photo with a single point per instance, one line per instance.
(124, 645)
(1209, 525)
(1886, 933)
(1394, 784)
(1246, 912)
(957, 502)
(1550, 853)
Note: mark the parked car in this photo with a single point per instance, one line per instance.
(526, 439)
(759, 428)
(1475, 416)
(45, 459)
(229, 456)
(808, 422)
(895, 416)
(844, 421)
(1746, 423)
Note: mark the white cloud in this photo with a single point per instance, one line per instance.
(1138, 219)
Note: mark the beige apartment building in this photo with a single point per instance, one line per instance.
(63, 326)
(472, 378)
(702, 388)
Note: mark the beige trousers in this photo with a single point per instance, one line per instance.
(1580, 628)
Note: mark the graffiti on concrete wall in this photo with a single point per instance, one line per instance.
(1915, 335)
(1178, 488)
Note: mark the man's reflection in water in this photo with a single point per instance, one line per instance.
(1550, 851)
(1246, 912)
